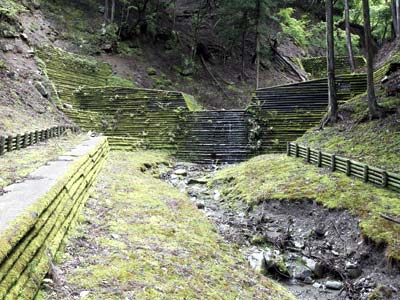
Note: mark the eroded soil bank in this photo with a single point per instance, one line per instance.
(315, 252)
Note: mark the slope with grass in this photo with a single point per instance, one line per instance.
(277, 177)
(143, 239)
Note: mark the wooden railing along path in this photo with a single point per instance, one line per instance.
(350, 167)
(12, 143)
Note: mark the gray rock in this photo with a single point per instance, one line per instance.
(200, 205)
(334, 285)
(301, 272)
(7, 48)
(317, 285)
(181, 172)
(308, 280)
(67, 106)
(217, 196)
(36, 4)
(316, 268)
(257, 262)
(197, 181)
(41, 89)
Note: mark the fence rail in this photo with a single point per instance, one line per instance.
(350, 167)
(12, 143)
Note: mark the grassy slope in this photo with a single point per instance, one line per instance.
(279, 177)
(151, 242)
(375, 142)
(18, 164)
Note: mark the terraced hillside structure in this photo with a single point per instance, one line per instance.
(316, 66)
(286, 112)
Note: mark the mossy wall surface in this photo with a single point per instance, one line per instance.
(284, 113)
(316, 66)
(70, 73)
(29, 243)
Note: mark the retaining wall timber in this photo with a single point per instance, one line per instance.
(215, 136)
(286, 112)
(316, 66)
(36, 214)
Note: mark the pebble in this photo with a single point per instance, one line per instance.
(334, 285)
(180, 172)
(83, 294)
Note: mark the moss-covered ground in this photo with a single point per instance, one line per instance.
(280, 177)
(376, 142)
(143, 239)
(16, 165)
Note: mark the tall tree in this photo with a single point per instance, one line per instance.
(333, 106)
(258, 42)
(112, 11)
(372, 104)
(348, 36)
(106, 11)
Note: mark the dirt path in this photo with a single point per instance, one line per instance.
(143, 239)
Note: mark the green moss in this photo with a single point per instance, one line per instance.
(191, 103)
(376, 142)
(279, 177)
(153, 243)
(10, 8)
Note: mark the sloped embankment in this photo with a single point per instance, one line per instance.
(37, 213)
(143, 239)
(277, 177)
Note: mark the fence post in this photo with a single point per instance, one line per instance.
(18, 141)
(366, 171)
(308, 158)
(348, 167)
(319, 159)
(31, 137)
(25, 140)
(36, 136)
(384, 179)
(10, 143)
(2, 145)
(333, 162)
(297, 150)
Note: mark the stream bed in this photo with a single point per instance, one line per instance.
(315, 252)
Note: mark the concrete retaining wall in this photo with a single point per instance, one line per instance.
(36, 214)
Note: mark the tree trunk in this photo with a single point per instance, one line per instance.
(348, 37)
(106, 5)
(333, 106)
(398, 17)
(394, 16)
(112, 10)
(243, 50)
(258, 38)
(372, 104)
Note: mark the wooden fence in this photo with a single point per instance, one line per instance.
(350, 167)
(12, 143)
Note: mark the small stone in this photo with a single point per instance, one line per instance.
(301, 272)
(24, 37)
(317, 285)
(48, 281)
(67, 106)
(36, 4)
(181, 172)
(257, 262)
(200, 205)
(41, 89)
(7, 48)
(83, 294)
(334, 285)
(197, 181)
(308, 280)
(217, 196)
(115, 236)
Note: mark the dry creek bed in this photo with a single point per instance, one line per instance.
(316, 253)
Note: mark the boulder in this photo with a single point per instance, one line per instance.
(181, 172)
(257, 262)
